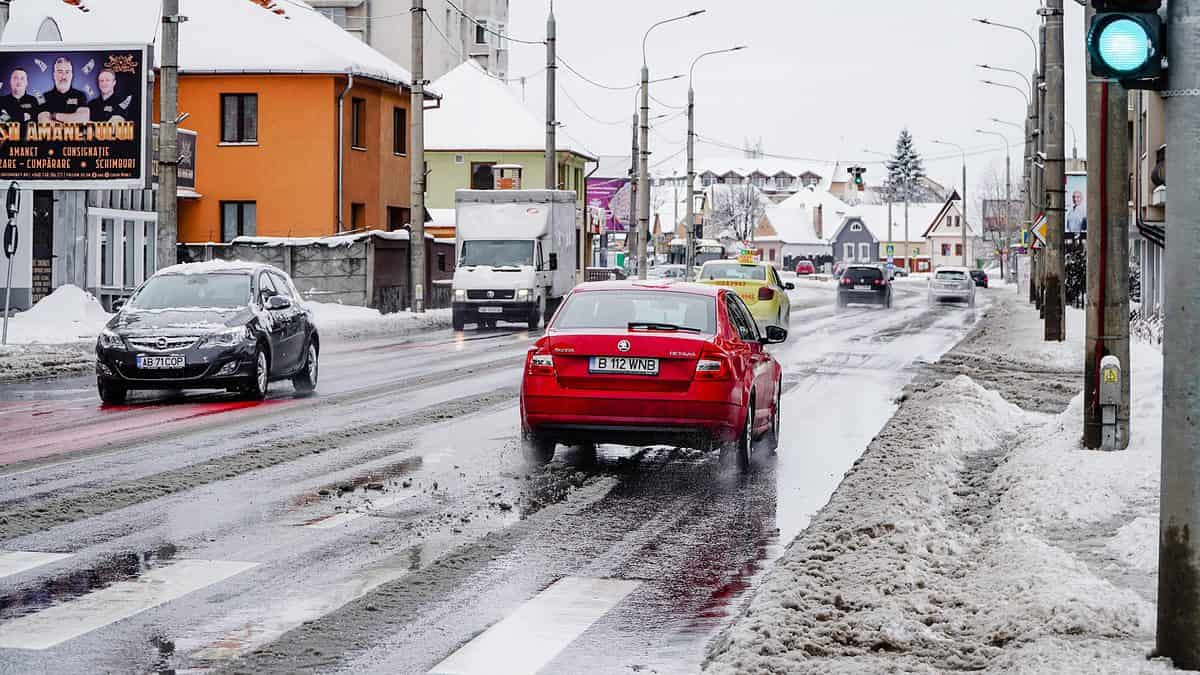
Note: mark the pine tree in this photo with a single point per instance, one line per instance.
(905, 168)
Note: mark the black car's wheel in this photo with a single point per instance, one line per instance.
(260, 380)
(537, 449)
(305, 381)
(110, 394)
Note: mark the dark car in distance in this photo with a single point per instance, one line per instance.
(864, 284)
(980, 278)
(213, 325)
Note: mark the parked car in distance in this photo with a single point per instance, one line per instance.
(650, 362)
(805, 268)
(211, 325)
(980, 277)
(666, 272)
(864, 284)
(952, 284)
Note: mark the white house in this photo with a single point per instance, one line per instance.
(944, 236)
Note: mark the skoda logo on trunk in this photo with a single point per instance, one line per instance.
(623, 346)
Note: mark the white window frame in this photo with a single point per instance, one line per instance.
(864, 252)
(856, 227)
(848, 252)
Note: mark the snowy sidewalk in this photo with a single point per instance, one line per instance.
(974, 533)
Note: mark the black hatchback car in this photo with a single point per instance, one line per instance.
(213, 325)
(864, 284)
(980, 278)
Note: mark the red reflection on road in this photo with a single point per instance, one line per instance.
(44, 428)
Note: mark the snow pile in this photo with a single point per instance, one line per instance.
(69, 314)
(349, 321)
(971, 535)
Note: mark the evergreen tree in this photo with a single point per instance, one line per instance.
(905, 168)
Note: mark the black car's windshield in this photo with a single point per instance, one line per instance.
(497, 253)
(734, 271)
(617, 310)
(194, 291)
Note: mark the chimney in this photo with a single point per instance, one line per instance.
(818, 218)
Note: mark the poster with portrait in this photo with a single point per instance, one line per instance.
(74, 117)
(1076, 204)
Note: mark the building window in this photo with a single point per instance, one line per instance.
(856, 227)
(441, 262)
(238, 219)
(399, 131)
(772, 255)
(481, 176)
(239, 118)
(848, 252)
(945, 249)
(480, 34)
(397, 218)
(358, 123)
(358, 215)
(864, 253)
(958, 249)
(334, 14)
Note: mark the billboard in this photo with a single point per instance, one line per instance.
(74, 117)
(609, 196)
(186, 169)
(1076, 204)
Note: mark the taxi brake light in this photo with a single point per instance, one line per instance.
(765, 293)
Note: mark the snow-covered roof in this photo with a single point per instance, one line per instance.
(874, 216)
(792, 226)
(766, 166)
(219, 36)
(479, 112)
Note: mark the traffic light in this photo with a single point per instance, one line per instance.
(857, 173)
(1127, 43)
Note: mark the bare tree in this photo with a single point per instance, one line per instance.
(738, 208)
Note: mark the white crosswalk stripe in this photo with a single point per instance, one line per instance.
(14, 562)
(59, 623)
(529, 638)
(366, 509)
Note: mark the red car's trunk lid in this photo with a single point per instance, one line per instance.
(676, 352)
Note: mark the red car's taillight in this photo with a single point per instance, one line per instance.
(847, 281)
(765, 293)
(713, 365)
(540, 365)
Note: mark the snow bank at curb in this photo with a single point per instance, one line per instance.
(348, 322)
(954, 544)
(67, 315)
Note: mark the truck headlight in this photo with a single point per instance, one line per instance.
(524, 293)
(227, 338)
(460, 294)
(110, 340)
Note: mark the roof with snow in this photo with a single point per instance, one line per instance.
(874, 216)
(764, 166)
(792, 226)
(479, 112)
(953, 205)
(219, 36)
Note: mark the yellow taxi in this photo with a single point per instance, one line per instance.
(757, 283)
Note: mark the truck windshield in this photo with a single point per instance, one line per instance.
(497, 253)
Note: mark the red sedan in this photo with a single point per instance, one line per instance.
(805, 268)
(644, 363)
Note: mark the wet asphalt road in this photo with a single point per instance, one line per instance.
(389, 524)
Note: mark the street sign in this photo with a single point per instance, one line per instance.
(1041, 229)
(891, 250)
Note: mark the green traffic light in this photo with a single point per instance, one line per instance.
(1124, 45)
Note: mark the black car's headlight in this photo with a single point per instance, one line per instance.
(227, 338)
(110, 340)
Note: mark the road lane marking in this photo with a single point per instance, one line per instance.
(369, 507)
(59, 623)
(526, 640)
(12, 562)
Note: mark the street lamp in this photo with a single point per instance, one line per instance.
(962, 150)
(690, 255)
(1009, 86)
(1007, 191)
(989, 22)
(1009, 70)
(644, 147)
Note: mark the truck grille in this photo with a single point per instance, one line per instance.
(491, 295)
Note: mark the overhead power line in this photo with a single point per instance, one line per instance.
(592, 82)
(498, 34)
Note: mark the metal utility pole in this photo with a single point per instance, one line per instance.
(551, 113)
(632, 236)
(1056, 178)
(167, 230)
(1108, 256)
(1179, 543)
(644, 173)
(690, 256)
(416, 238)
(1039, 165)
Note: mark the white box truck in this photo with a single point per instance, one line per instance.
(516, 255)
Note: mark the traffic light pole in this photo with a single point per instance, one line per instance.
(1178, 631)
(1055, 301)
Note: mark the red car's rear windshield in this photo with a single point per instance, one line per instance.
(618, 309)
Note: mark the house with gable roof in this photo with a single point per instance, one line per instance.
(944, 235)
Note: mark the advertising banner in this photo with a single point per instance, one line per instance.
(608, 196)
(74, 117)
(186, 169)
(1076, 204)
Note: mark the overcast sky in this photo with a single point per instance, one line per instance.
(822, 79)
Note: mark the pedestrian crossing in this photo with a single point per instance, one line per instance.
(15, 562)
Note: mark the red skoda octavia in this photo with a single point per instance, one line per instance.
(644, 363)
